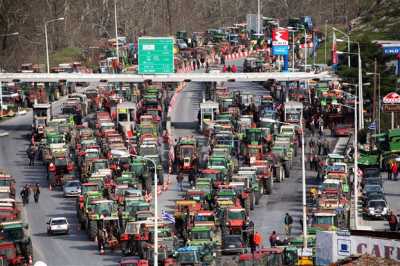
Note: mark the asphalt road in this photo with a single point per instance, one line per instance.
(392, 193)
(286, 196)
(71, 250)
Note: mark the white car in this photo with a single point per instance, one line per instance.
(57, 225)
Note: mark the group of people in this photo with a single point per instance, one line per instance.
(230, 68)
(26, 193)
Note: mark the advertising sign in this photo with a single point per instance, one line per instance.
(280, 41)
(391, 50)
(156, 55)
(391, 102)
(280, 36)
(378, 247)
(392, 98)
(280, 50)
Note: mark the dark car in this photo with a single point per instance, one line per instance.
(371, 188)
(373, 196)
(371, 172)
(232, 244)
(373, 181)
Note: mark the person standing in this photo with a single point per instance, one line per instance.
(29, 153)
(222, 59)
(395, 170)
(288, 221)
(392, 219)
(272, 239)
(234, 68)
(179, 178)
(389, 170)
(36, 193)
(23, 195)
(101, 237)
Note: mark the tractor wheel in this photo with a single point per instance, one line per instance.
(92, 230)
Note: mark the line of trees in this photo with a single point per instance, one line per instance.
(86, 21)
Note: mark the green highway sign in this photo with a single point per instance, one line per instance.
(156, 55)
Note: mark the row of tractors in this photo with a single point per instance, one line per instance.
(242, 152)
(15, 240)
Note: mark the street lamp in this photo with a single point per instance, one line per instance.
(116, 28)
(355, 146)
(303, 174)
(292, 30)
(155, 207)
(47, 41)
(379, 97)
(9, 34)
(1, 85)
(348, 43)
(360, 84)
(258, 17)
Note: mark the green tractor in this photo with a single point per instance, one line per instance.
(202, 235)
(98, 211)
(84, 203)
(195, 255)
(16, 243)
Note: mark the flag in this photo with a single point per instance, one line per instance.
(167, 217)
(372, 126)
(334, 49)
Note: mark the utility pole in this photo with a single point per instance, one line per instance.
(326, 37)
(375, 87)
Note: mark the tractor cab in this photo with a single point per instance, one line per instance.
(234, 220)
(208, 111)
(126, 118)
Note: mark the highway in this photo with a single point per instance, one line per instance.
(74, 249)
(286, 196)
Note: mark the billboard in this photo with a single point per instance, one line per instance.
(391, 102)
(391, 50)
(156, 55)
(280, 41)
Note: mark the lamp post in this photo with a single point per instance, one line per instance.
(379, 97)
(326, 37)
(47, 41)
(258, 17)
(360, 84)
(293, 30)
(355, 146)
(116, 29)
(1, 84)
(155, 207)
(303, 171)
(348, 44)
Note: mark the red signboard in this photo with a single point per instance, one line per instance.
(392, 98)
(280, 36)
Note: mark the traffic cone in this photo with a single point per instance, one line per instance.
(102, 250)
(50, 187)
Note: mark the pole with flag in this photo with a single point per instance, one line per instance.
(334, 52)
(167, 217)
(372, 126)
